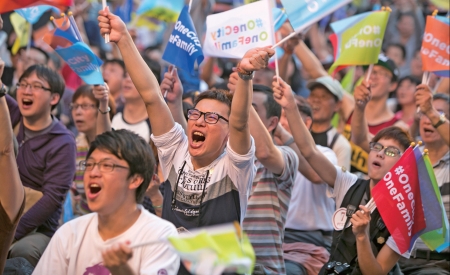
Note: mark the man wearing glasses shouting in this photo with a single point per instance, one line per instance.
(46, 159)
(210, 168)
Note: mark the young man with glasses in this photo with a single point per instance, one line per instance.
(355, 241)
(117, 171)
(210, 168)
(46, 159)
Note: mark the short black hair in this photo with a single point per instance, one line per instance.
(116, 61)
(55, 81)
(24, 48)
(441, 96)
(132, 148)
(397, 45)
(395, 133)
(411, 79)
(223, 96)
(272, 107)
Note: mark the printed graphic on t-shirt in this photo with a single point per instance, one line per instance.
(97, 269)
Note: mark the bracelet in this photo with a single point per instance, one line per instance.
(157, 206)
(2, 90)
(105, 112)
(243, 74)
(289, 142)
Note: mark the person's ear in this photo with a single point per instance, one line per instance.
(135, 182)
(273, 123)
(54, 99)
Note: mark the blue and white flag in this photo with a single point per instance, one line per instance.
(33, 14)
(124, 11)
(279, 17)
(184, 47)
(303, 13)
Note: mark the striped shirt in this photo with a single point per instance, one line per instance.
(267, 210)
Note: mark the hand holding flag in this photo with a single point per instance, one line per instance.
(360, 222)
(171, 85)
(362, 94)
(256, 59)
(112, 25)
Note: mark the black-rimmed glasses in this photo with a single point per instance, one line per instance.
(103, 166)
(210, 117)
(34, 86)
(388, 151)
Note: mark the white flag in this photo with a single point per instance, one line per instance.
(232, 33)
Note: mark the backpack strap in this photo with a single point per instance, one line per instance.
(333, 141)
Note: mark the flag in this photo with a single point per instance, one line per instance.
(183, 47)
(22, 30)
(74, 52)
(441, 4)
(161, 10)
(232, 33)
(304, 13)
(215, 249)
(348, 79)
(357, 40)
(33, 14)
(436, 46)
(124, 11)
(9, 5)
(279, 17)
(437, 239)
(399, 202)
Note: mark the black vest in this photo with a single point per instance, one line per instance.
(358, 194)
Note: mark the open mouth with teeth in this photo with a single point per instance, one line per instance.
(198, 137)
(27, 102)
(94, 188)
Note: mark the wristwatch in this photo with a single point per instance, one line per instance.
(105, 112)
(442, 120)
(3, 90)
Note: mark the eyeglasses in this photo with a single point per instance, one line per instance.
(74, 106)
(103, 166)
(388, 151)
(34, 86)
(210, 117)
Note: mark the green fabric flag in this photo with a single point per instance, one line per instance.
(347, 80)
(215, 249)
(357, 40)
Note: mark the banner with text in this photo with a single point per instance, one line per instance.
(436, 46)
(75, 53)
(232, 33)
(399, 201)
(304, 13)
(358, 40)
(184, 47)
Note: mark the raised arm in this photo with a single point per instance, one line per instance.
(424, 99)
(253, 60)
(11, 189)
(143, 78)
(305, 143)
(360, 128)
(101, 93)
(309, 61)
(171, 85)
(266, 152)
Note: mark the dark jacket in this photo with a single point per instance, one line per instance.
(46, 164)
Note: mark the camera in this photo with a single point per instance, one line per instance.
(337, 268)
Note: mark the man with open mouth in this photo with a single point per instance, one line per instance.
(210, 168)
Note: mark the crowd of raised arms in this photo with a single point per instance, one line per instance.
(87, 172)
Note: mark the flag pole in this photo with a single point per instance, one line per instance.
(74, 24)
(106, 34)
(190, 5)
(171, 73)
(284, 40)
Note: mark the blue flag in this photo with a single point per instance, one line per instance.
(184, 47)
(303, 13)
(124, 11)
(279, 17)
(33, 14)
(83, 62)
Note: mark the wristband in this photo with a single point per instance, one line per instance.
(243, 74)
(2, 90)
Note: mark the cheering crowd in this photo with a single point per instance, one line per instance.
(93, 177)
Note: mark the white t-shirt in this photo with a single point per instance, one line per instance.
(76, 248)
(310, 208)
(228, 184)
(141, 128)
(345, 180)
